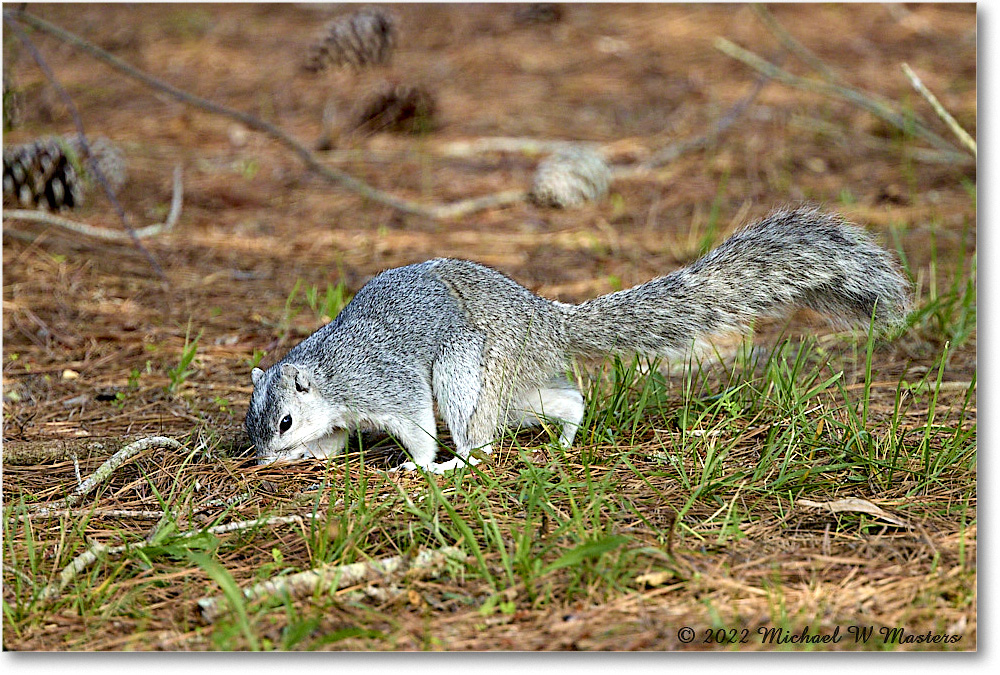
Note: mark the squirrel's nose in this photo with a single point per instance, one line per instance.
(286, 456)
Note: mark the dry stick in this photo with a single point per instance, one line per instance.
(466, 206)
(861, 99)
(48, 512)
(530, 146)
(93, 554)
(791, 44)
(663, 156)
(78, 122)
(956, 129)
(304, 154)
(335, 577)
(105, 470)
(116, 460)
(102, 232)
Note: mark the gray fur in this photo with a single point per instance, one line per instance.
(491, 353)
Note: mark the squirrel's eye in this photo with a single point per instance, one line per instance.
(286, 422)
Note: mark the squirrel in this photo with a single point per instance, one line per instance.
(491, 353)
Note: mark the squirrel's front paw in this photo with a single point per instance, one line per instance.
(434, 467)
(451, 464)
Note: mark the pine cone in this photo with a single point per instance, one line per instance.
(538, 12)
(364, 38)
(570, 177)
(400, 108)
(47, 173)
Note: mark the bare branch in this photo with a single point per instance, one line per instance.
(335, 577)
(47, 512)
(116, 460)
(467, 206)
(528, 146)
(96, 551)
(102, 232)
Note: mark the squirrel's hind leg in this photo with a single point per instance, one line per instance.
(559, 402)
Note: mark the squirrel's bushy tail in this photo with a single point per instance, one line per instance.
(792, 258)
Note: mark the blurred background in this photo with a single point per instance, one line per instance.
(432, 105)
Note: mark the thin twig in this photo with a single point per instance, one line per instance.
(94, 553)
(527, 146)
(794, 46)
(955, 127)
(229, 501)
(335, 577)
(116, 460)
(106, 233)
(49, 512)
(861, 99)
(467, 206)
(92, 164)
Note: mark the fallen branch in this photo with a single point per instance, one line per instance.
(116, 460)
(467, 206)
(527, 146)
(96, 551)
(865, 101)
(335, 577)
(945, 116)
(51, 512)
(102, 473)
(29, 453)
(103, 232)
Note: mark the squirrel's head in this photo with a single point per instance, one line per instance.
(286, 414)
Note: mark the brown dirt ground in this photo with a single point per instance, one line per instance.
(254, 222)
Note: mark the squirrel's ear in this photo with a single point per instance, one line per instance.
(292, 375)
(255, 375)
